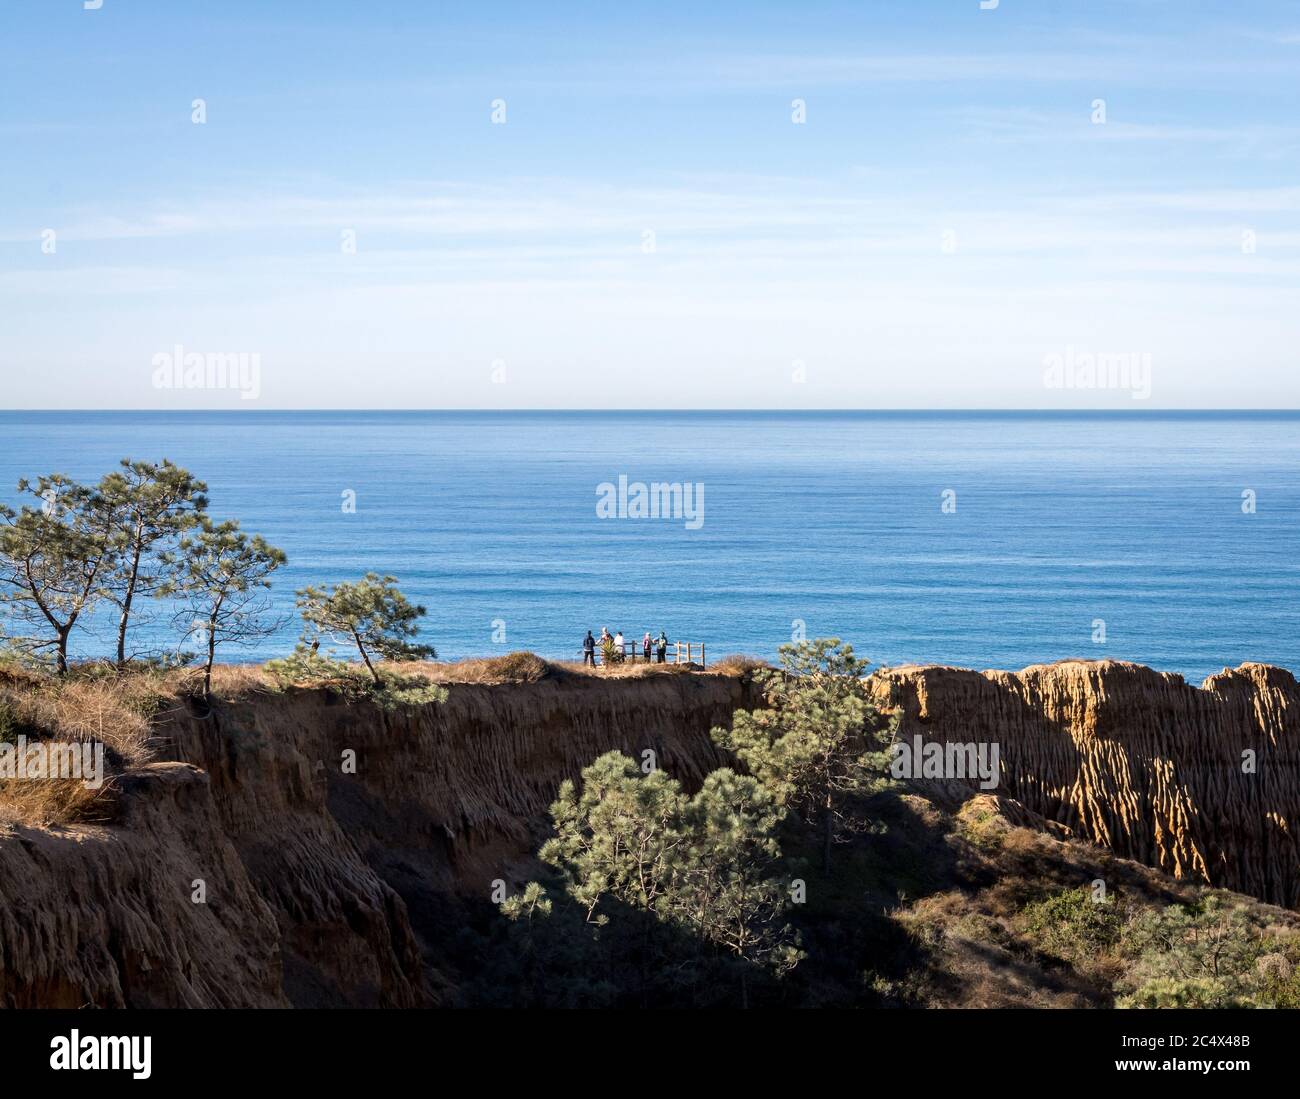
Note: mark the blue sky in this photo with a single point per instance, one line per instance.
(649, 227)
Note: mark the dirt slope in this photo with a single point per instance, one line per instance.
(313, 872)
(330, 886)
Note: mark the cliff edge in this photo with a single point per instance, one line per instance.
(292, 849)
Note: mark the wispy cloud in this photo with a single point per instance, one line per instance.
(1023, 126)
(557, 234)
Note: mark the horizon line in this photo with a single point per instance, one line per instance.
(669, 411)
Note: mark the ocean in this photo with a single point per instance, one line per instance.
(985, 540)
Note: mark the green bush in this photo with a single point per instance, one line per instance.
(1279, 976)
(306, 668)
(1074, 927)
(1217, 952)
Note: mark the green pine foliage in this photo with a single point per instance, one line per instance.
(388, 687)
(220, 574)
(1218, 952)
(56, 556)
(820, 745)
(153, 504)
(142, 532)
(674, 890)
(370, 615)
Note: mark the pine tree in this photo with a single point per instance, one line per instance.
(820, 742)
(728, 893)
(636, 850)
(154, 504)
(221, 574)
(55, 559)
(370, 614)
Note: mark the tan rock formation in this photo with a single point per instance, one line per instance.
(1136, 760)
(105, 916)
(332, 886)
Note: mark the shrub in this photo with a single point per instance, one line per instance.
(738, 664)
(306, 668)
(382, 685)
(520, 667)
(397, 690)
(1074, 927)
(981, 824)
(1216, 952)
(1207, 954)
(1279, 976)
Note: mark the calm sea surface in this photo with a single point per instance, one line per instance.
(835, 521)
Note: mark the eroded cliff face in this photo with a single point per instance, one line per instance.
(340, 847)
(1201, 783)
(336, 843)
(105, 916)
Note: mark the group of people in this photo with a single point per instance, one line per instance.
(614, 649)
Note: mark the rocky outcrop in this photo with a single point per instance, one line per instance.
(340, 847)
(333, 838)
(157, 910)
(1201, 783)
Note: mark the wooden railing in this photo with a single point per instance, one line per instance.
(699, 647)
(677, 652)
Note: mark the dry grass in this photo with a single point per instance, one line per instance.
(527, 667)
(114, 711)
(51, 802)
(739, 664)
(228, 681)
(88, 706)
(518, 667)
(235, 680)
(629, 670)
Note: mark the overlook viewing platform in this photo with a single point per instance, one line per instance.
(633, 652)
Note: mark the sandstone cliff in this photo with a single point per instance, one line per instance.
(104, 916)
(328, 884)
(1203, 783)
(316, 871)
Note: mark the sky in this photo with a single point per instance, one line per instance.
(911, 204)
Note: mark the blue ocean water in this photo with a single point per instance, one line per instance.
(833, 521)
